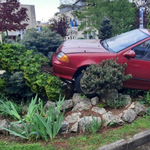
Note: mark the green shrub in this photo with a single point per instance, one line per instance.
(43, 41)
(133, 92)
(105, 76)
(148, 111)
(116, 103)
(2, 84)
(9, 56)
(15, 85)
(23, 67)
(41, 83)
(147, 98)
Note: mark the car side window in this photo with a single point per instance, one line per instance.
(142, 50)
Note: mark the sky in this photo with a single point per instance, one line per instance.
(44, 9)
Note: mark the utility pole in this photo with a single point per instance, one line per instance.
(141, 11)
(143, 7)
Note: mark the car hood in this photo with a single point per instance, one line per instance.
(82, 46)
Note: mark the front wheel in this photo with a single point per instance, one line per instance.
(82, 88)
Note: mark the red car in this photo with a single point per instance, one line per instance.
(132, 47)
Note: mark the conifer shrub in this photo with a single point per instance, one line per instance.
(23, 69)
(15, 85)
(105, 30)
(105, 76)
(43, 41)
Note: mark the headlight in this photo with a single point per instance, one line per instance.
(62, 57)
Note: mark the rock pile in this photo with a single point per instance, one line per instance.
(75, 121)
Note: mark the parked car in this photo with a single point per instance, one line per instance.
(132, 47)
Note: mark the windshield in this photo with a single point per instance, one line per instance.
(122, 41)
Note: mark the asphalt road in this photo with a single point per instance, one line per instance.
(143, 147)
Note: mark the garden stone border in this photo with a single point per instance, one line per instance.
(78, 104)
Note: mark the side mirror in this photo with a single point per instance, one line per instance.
(129, 54)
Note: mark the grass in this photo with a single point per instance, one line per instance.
(85, 142)
(17, 146)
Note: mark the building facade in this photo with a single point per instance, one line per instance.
(31, 22)
(68, 10)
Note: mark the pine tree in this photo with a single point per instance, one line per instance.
(44, 41)
(105, 29)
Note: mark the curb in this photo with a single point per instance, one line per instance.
(137, 140)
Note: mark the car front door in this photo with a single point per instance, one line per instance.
(139, 67)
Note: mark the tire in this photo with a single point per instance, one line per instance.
(79, 88)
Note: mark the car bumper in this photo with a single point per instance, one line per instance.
(62, 69)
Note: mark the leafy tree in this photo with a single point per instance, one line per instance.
(148, 25)
(44, 41)
(122, 15)
(60, 25)
(120, 12)
(105, 29)
(12, 16)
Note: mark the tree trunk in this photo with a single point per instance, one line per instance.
(6, 34)
(1, 38)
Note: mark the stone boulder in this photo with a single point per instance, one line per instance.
(110, 95)
(64, 128)
(74, 128)
(110, 119)
(95, 101)
(67, 104)
(76, 98)
(118, 121)
(107, 118)
(49, 104)
(129, 115)
(4, 124)
(74, 117)
(86, 122)
(98, 110)
(127, 100)
(84, 104)
(140, 109)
